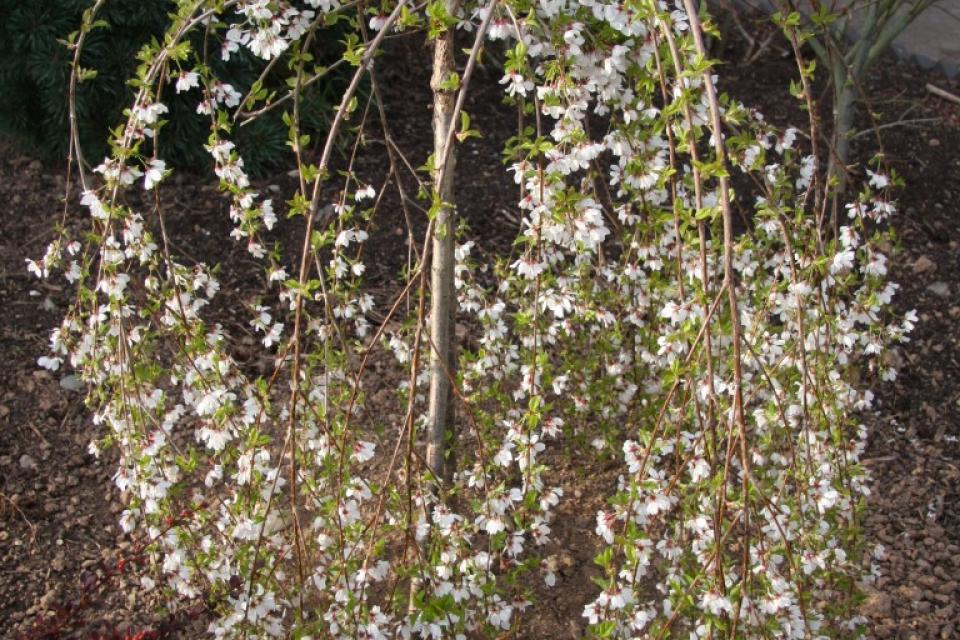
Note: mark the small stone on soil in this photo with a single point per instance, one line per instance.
(939, 288)
(71, 383)
(923, 264)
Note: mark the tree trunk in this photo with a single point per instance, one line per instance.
(844, 100)
(844, 103)
(443, 299)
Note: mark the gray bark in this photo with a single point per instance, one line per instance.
(443, 299)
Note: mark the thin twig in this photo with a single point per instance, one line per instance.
(943, 93)
(898, 123)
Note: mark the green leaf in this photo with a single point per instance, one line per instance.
(451, 82)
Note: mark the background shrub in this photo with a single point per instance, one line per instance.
(35, 71)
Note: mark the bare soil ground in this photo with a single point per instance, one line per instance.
(66, 571)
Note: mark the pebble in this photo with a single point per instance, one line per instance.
(923, 264)
(939, 288)
(876, 604)
(28, 463)
(71, 383)
(48, 599)
(947, 588)
(909, 592)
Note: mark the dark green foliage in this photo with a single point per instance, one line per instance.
(35, 70)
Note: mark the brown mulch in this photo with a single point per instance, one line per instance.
(67, 571)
